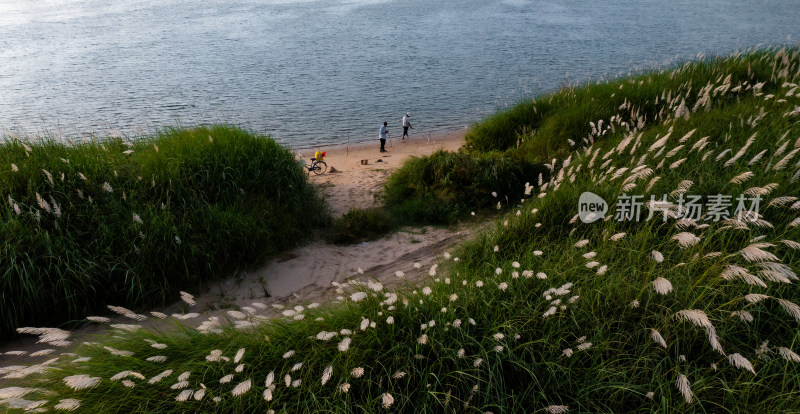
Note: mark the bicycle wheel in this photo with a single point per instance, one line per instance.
(320, 167)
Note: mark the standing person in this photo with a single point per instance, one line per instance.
(384, 132)
(406, 125)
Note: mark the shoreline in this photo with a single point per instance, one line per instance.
(438, 135)
(356, 173)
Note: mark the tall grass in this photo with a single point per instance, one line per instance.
(133, 222)
(446, 186)
(543, 126)
(542, 313)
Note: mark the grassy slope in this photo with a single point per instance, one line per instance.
(183, 206)
(528, 281)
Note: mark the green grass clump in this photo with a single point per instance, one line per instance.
(131, 223)
(359, 225)
(446, 186)
(542, 126)
(542, 313)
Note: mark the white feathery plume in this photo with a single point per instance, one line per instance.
(199, 394)
(326, 374)
(695, 316)
(791, 308)
(618, 236)
(557, 409)
(79, 382)
(741, 178)
(755, 297)
(684, 387)
(357, 372)
(674, 151)
(226, 379)
(774, 276)
(118, 352)
(236, 314)
(757, 158)
(652, 183)
(657, 256)
(387, 400)
(662, 286)
(68, 404)
(186, 297)
(239, 355)
(739, 361)
(657, 338)
(743, 315)
(659, 143)
(677, 164)
(781, 201)
(242, 388)
(125, 374)
(582, 243)
(785, 160)
(358, 296)
(742, 150)
(160, 376)
(713, 339)
(754, 253)
(686, 239)
(16, 392)
(288, 354)
(792, 244)
(788, 354)
(184, 395)
(733, 271)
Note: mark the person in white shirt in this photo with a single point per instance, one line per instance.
(382, 135)
(406, 125)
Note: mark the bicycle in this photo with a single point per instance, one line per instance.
(317, 164)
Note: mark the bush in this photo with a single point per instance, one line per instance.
(132, 223)
(359, 225)
(445, 186)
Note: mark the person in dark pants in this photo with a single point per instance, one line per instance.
(384, 132)
(406, 125)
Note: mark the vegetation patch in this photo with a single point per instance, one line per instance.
(132, 222)
(446, 186)
(359, 225)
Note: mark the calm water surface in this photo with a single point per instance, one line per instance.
(319, 71)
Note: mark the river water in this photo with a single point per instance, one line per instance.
(317, 72)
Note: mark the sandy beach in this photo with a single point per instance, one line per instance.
(355, 184)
